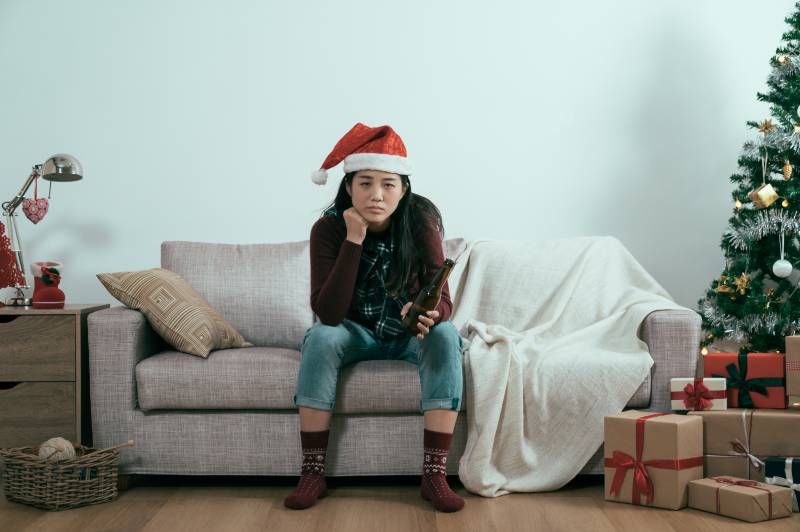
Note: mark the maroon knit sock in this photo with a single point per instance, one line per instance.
(434, 480)
(312, 478)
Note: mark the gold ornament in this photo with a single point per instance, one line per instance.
(741, 283)
(785, 203)
(722, 286)
(738, 204)
(766, 126)
(763, 196)
(787, 170)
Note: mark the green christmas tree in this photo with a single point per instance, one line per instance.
(754, 301)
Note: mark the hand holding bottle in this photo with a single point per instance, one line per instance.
(425, 322)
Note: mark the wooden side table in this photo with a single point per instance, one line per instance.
(44, 375)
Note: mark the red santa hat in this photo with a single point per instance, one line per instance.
(367, 148)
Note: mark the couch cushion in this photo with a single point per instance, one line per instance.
(266, 378)
(263, 290)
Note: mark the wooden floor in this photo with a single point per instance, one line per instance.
(194, 504)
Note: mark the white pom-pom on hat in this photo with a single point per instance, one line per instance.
(320, 177)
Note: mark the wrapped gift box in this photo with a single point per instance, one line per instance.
(793, 365)
(650, 458)
(698, 394)
(737, 441)
(754, 380)
(747, 500)
(785, 472)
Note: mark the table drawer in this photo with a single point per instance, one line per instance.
(33, 412)
(37, 348)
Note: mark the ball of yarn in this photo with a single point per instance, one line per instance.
(50, 445)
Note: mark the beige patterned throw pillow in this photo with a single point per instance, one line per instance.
(174, 309)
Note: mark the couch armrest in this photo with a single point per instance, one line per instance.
(673, 338)
(119, 338)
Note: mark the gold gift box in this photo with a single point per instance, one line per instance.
(763, 196)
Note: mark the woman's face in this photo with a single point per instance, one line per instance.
(375, 196)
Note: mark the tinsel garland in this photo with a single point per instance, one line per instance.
(766, 222)
(737, 329)
(789, 68)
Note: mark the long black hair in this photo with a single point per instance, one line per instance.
(414, 214)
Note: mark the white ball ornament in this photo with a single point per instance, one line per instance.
(782, 268)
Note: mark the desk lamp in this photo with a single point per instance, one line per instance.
(59, 167)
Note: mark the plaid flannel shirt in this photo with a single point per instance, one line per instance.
(377, 262)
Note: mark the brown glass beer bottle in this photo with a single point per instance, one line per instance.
(427, 299)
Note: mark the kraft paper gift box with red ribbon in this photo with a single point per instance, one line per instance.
(785, 472)
(793, 365)
(650, 458)
(698, 394)
(737, 441)
(743, 499)
(754, 380)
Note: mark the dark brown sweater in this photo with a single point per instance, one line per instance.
(334, 267)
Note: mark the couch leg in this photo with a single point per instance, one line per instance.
(124, 482)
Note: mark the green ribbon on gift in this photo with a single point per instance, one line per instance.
(735, 379)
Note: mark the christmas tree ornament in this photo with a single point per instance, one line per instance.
(787, 170)
(764, 195)
(742, 283)
(35, 208)
(766, 126)
(722, 286)
(782, 268)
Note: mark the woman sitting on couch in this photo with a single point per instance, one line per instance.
(371, 253)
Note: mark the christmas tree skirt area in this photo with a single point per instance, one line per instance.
(169, 502)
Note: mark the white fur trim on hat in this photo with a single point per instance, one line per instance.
(393, 164)
(320, 177)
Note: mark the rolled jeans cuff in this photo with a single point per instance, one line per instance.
(440, 404)
(299, 400)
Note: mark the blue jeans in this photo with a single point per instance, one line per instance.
(326, 349)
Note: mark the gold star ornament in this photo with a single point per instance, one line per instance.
(741, 283)
(766, 126)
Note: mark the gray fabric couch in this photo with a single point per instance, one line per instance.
(233, 414)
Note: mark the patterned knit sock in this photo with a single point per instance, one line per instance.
(434, 480)
(312, 478)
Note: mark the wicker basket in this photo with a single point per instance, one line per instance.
(59, 484)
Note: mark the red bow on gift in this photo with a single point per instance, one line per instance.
(641, 478)
(55, 278)
(698, 396)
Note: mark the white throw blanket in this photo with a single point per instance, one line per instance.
(551, 349)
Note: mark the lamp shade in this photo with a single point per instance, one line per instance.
(62, 167)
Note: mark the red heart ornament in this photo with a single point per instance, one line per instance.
(35, 209)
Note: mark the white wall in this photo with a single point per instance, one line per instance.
(524, 120)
